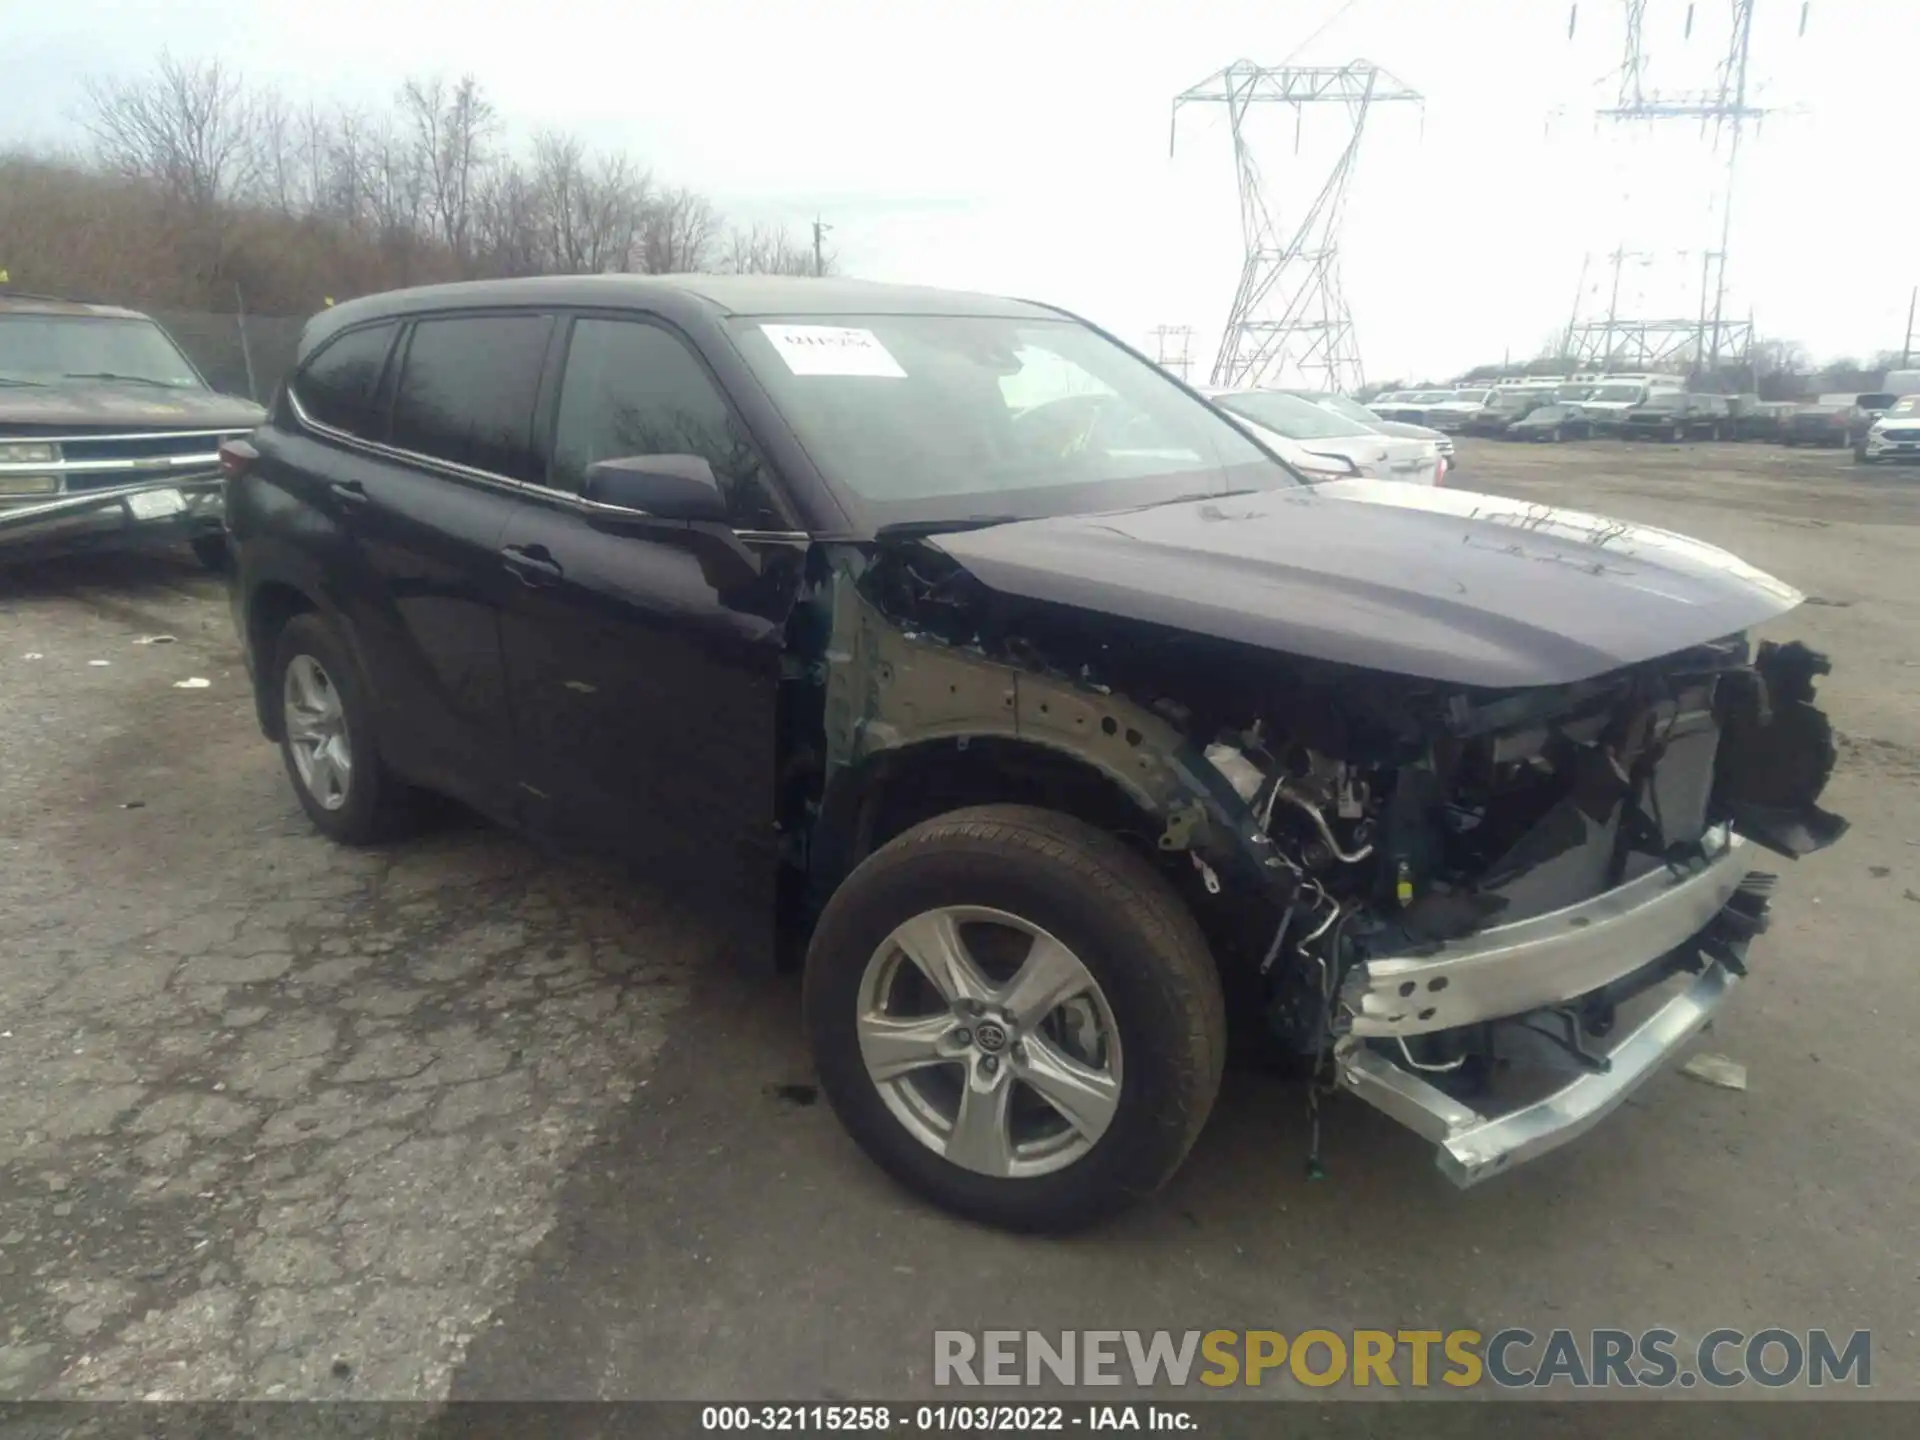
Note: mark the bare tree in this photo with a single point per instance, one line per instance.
(770, 250)
(278, 161)
(450, 127)
(187, 128)
(680, 232)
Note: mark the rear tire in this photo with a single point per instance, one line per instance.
(326, 738)
(1151, 976)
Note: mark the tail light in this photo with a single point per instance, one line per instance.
(236, 456)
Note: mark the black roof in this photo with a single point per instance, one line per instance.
(784, 295)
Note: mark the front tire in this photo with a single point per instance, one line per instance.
(326, 737)
(1016, 1017)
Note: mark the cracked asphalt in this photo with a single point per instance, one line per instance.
(453, 1117)
(278, 1118)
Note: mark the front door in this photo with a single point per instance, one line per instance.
(645, 702)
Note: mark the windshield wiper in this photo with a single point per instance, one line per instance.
(23, 384)
(915, 529)
(1197, 495)
(130, 379)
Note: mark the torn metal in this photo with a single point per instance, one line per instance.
(1491, 912)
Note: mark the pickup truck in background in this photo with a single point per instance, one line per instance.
(108, 434)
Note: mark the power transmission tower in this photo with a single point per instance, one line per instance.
(1180, 361)
(1725, 109)
(1289, 316)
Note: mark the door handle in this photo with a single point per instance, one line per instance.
(532, 565)
(351, 491)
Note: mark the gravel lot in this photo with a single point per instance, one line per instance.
(278, 1119)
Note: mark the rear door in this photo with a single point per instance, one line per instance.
(426, 510)
(644, 699)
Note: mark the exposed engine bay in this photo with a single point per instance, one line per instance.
(1364, 843)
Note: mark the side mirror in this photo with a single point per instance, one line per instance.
(674, 499)
(663, 487)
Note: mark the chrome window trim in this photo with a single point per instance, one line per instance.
(525, 488)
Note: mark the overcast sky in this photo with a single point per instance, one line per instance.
(1023, 148)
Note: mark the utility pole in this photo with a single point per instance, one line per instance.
(1906, 348)
(819, 255)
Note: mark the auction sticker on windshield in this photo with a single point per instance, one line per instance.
(155, 504)
(832, 350)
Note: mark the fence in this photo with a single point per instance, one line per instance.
(239, 356)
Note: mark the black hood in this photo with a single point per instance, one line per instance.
(1437, 584)
(104, 405)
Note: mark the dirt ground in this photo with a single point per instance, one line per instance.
(279, 1119)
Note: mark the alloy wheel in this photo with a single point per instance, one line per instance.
(990, 1041)
(315, 720)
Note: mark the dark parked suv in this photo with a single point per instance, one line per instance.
(1081, 730)
(1673, 415)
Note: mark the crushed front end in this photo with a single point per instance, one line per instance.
(1497, 934)
(1490, 912)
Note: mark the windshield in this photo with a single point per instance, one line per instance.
(918, 418)
(1430, 397)
(1663, 400)
(46, 349)
(1289, 415)
(1628, 393)
(1549, 412)
(1574, 392)
(1474, 397)
(1907, 405)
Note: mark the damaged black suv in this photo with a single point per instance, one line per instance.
(1063, 727)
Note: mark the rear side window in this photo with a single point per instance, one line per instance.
(467, 390)
(338, 387)
(632, 388)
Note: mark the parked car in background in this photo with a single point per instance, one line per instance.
(1609, 402)
(1550, 422)
(1070, 727)
(1353, 410)
(1894, 435)
(1678, 415)
(108, 434)
(1824, 420)
(1411, 407)
(1863, 412)
(1335, 446)
(1506, 407)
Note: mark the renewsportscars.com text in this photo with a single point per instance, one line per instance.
(1512, 1358)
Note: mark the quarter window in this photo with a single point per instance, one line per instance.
(632, 388)
(467, 391)
(339, 385)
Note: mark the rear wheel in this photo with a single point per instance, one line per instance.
(1679, 431)
(326, 738)
(1016, 1016)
